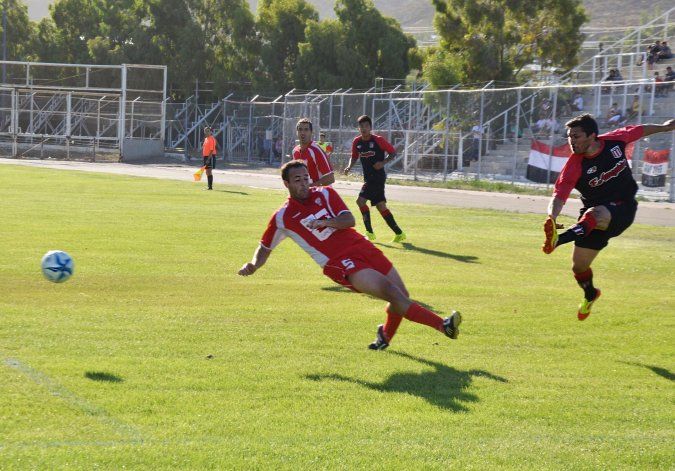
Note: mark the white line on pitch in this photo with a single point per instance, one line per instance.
(70, 398)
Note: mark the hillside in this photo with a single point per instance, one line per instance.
(603, 13)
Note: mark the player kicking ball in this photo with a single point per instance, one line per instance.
(318, 221)
(598, 169)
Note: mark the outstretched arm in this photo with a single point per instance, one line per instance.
(325, 180)
(259, 258)
(649, 129)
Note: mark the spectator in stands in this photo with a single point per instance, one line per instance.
(612, 77)
(634, 110)
(665, 52)
(544, 126)
(670, 75)
(614, 117)
(653, 54)
(617, 75)
(660, 90)
(545, 110)
(571, 105)
(669, 78)
(578, 102)
(514, 132)
(278, 148)
(477, 135)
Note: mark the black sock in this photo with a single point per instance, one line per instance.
(585, 281)
(366, 221)
(589, 289)
(387, 216)
(210, 179)
(576, 232)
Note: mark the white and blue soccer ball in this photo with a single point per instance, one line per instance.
(57, 266)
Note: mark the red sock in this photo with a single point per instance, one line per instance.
(589, 223)
(364, 209)
(392, 323)
(584, 276)
(417, 313)
(385, 213)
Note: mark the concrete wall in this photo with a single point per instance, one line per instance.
(142, 149)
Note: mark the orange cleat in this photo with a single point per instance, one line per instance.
(585, 306)
(551, 236)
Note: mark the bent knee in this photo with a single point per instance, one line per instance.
(602, 216)
(394, 294)
(580, 267)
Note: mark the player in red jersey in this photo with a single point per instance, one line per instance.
(598, 169)
(320, 170)
(370, 149)
(319, 222)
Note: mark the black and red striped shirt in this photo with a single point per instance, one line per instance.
(369, 152)
(605, 176)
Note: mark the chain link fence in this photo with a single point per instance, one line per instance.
(83, 112)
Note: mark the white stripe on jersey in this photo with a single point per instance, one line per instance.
(282, 232)
(279, 234)
(325, 194)
(311, 153)
(318, 257)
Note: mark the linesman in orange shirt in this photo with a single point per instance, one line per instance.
(209, 155)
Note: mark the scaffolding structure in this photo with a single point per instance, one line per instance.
(80, 110)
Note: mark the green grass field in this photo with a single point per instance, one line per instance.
(156, 355)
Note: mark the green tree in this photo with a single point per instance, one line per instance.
(353, 50)
(493, 39)
(233, 47)
(281, 24)
(325, 59)
(76, 22)
(20, 30)
(174, 37)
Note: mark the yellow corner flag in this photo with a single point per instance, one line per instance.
(198, 174)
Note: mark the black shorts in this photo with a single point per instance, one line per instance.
(623, 215)
(209, 162)
(373, 191)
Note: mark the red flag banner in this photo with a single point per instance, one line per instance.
(655, 167)
(539, 161)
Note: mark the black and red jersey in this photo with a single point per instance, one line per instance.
(369, 152)
(605, 176)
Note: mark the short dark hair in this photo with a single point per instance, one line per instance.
(285, 170)
(585, 122)
(303, 121)
(365, 119)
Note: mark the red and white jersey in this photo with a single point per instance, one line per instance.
(316, 160)
(292, 219)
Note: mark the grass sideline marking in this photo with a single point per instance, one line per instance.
(72, 399)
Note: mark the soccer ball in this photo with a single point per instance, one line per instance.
(57, 266)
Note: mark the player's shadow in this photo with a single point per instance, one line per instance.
(336, 289)
(663, 372)
(444, 387)
(103, 376)
(233, 192)
(435, 253)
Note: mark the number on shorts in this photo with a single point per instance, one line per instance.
(348, 263)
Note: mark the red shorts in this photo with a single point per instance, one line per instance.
(359, 257)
